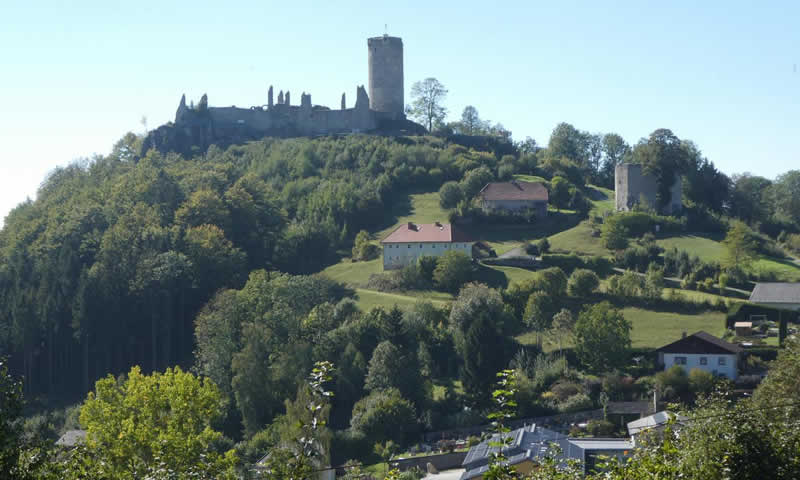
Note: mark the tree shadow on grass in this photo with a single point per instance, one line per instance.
(555, 222)
(491, 277)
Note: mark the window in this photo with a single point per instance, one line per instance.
(722, 361)
(409, 245)
(703, 361)
(420, 245)
(680, 360)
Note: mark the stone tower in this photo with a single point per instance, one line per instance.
(386, 75)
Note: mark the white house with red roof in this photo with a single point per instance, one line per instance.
(411, 240)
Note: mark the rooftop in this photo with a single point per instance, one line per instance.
(776, 293)
(514, 190)
(652, 421)
(426, 233)
(700, 342)
(71, 438)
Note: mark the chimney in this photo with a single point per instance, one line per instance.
(438, 224)
(411, 226)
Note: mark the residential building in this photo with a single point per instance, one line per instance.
(654, 423)
(411, 240)
(526, 446)
(515, 196)
(785, 296)
(702, 351)
(71, 438)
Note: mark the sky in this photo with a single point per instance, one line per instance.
(76, 76)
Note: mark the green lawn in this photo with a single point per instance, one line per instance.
(369, 299)
(419, 207)
(651, 329)
(711, 250)
(578, 240)
(354, 273)
(531, 178)
(602, 199)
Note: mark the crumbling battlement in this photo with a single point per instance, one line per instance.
(632, 186)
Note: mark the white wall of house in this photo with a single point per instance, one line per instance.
(398, 255)
(712, 364)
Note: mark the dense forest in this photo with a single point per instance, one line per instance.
(211, 263)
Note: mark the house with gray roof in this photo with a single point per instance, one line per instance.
(71, 438)
(528, 445)
(702, 351)
(785, 296)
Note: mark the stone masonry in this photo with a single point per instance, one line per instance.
(632, 186)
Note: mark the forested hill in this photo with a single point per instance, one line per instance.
(110, 264)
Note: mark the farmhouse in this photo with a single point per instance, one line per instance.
(702, 351)
(515, 196)
(785, 296)
(413, 240)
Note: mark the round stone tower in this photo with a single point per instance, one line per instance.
(386, 75)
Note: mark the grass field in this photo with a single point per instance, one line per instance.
(418, 207)
(710, 249)
(530, 178)
(579, 240)
(369, 299)
(651, 329)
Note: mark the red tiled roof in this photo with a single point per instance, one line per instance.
(426, 233)
(514, 190)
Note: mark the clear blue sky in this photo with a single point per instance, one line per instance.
(75, 78)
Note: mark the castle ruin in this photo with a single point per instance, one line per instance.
(380, 111)
(634, 187)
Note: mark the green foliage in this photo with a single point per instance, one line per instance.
(391, 368)
(450, 195)
(539, 311)
(602, 338)
(653, 283)
(474, 181)
(11, 402)
(663, 156)
(614, 233)
(582, 283)
(144, 424)
(700, 381)
(427, 104)
(740, 247)
(363, 249)
(384, 415)
(453, 270)
(544, 245)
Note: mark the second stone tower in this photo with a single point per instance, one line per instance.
(386, 75)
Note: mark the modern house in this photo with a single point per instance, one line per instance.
(528, 445)
(654, 423)
(702, 351)
(413, 240)
(515, 196)
(785, 296)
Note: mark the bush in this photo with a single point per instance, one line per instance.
(600, 428)
(426, 265)
(672, 382)
(700, 381)
(544, 245)
(614, 234)
(577, 403)
(531, 249)
(450, 195)
(582, 283)
(453, 270)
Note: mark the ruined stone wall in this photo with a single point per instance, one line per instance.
(632, 186)
(385, 61)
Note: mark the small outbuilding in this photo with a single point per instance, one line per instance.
(743, 329)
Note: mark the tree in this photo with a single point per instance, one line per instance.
(427, 104)
(615, 150)
(614, 233)
(786, 195)
(10, 427)
(471, 123)
(474, 181)
(363, 249)
(391, 368)
(563, 323)
(782, 385)
(602, 337)
(450, 195)
(582, 283)
(560, 192)
(160, 422)
(749, 198)
(663, 156)
(482, 358)
(740, 246)
(653, 282)
(384, 415)
(552, 281)
(539, 311)
(453, 270)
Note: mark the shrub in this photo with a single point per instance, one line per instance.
(450, 195)
(544, 245)
(700, 381)
(614, 234)
(531, 249)
(582, 283)
(600, 428)
(576, 403)
(453, 270)
(672, 382)
(426, 265)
